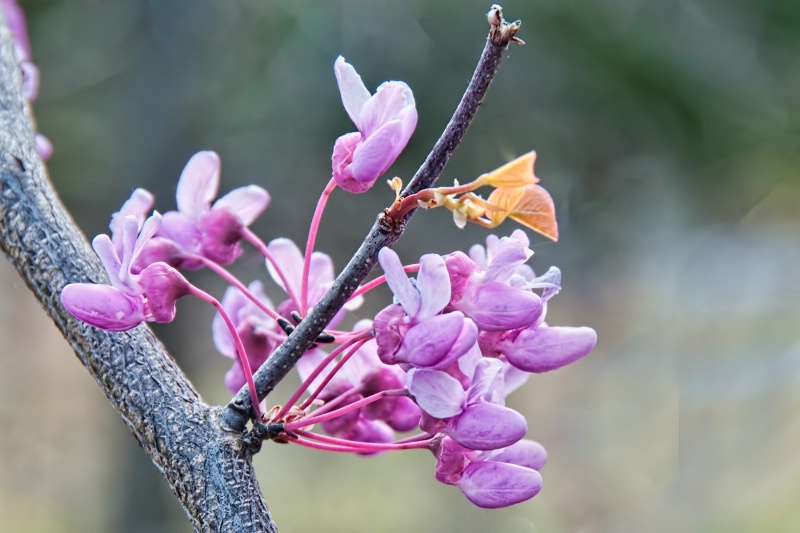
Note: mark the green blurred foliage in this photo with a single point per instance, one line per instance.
(668, 132)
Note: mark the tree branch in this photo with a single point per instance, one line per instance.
(384, 232)
(203, 461)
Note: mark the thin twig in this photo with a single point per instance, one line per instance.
(384, 232)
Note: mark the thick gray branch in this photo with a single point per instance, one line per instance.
(383, 233)
(202, 459)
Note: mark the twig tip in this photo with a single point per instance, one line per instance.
(502, 32)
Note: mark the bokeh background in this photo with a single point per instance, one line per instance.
(668, 132)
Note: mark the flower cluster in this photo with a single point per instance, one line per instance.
(468, 332)
(440, 360)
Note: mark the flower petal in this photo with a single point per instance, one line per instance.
(103, 306)
(433, 283)
(354, 92)
(407, 295)
(492, 485)
(162, 286)
(245, 202)
(342, 163)
(437, 393)
(406, 415)
(108, 256)
(485, 380)
(138, 205)
(542, 349)
(390, 101)
(428, 342)
(375, 154)
(198, 184)
(527, 453)
(487, 426)
(496, 306)
(320, 277)
(288, 260)
(233, 302)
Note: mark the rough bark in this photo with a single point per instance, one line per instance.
(202, 460)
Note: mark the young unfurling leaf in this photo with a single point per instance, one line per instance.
(516, 173)
(531, 205)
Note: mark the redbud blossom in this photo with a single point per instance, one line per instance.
(491, 479)
(133, 297)
(257, 331)
(200, 228)
(493, 297)
(385, 122)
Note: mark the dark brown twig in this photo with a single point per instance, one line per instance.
(383, 233)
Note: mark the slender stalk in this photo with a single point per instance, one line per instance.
(346, 357)
(317, 418)
(233, 280)
(237, 340)
(366, 446)
(310, 379)
(312, 237)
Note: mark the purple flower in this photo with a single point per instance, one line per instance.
(491, 479)
(385, 122)
(475, 418)
(138, 206)
(200, 228)
(132, 298)
(540, 348)
(413, 332)
(491, 289)
(259, 333)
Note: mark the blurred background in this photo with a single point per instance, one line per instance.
(667, 131)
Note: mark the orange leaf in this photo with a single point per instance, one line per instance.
(516, 173)
(505, 201)
(531, 206)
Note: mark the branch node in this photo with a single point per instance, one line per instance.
(391, 225)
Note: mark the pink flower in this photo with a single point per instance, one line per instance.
(385, 122)
(132, 297)
(200, 228)
(259, 333)
(491, 479)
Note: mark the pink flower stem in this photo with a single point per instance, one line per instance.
(312, 237)
(248, 373)
(316, 419)
(233, 280)
(346, 336)
(364, 446)
(320, 446)
(307, 382)
(420, 437)
(254, 239)
(380, 279)
(313, 396)
(336, 402)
